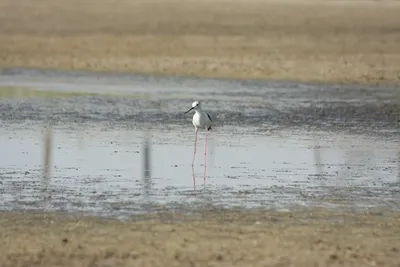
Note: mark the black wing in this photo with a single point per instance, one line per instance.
(208, 115)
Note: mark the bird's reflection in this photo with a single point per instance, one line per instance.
(205, 175)
(194, 180)
(194, 177)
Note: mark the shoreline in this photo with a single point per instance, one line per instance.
(230, 77)
(163, 76)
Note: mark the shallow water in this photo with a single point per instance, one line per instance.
(274, 145)
(101, 172)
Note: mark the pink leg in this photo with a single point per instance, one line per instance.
(194, 180)
(195, 144)
(205, 157)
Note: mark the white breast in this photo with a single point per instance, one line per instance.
(201, 120)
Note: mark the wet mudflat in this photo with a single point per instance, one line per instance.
(158, 102)
(296, 175)
(275, 145)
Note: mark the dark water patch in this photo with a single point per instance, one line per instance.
(367, 118)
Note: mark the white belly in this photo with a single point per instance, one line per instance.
(201, 121)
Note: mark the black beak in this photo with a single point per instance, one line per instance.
(188, 110)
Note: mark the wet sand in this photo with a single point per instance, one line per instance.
(318, 41)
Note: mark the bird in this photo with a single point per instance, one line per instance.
(201, 120)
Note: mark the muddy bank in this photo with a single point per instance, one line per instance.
(219, 238)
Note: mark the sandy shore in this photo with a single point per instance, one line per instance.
(314, 238)
(320, 41)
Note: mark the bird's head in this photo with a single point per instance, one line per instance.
(195, 105)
